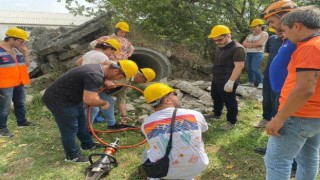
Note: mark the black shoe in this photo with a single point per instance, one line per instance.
(27, 123)
(261, 151)
(4, 132)
(79, 159)
(94, 146)
(120, 126)
(212, 117)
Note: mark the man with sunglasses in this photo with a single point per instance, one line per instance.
(187, 156)
(14, 62)
(66, 95)
(226, 70)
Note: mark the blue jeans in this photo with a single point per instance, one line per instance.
(275, 106)
(299, 139)
(18, 96)
(108, 113)
(72, 123)
(252, 64)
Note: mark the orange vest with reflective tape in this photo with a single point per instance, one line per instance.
(13, 69)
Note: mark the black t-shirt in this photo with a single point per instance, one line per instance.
(68, 88)
(224, 62)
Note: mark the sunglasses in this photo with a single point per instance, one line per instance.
(120, 69)
(20, 40)
(220, 39)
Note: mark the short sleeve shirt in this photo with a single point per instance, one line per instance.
(94, 57)
(68, 89)
(306, 57)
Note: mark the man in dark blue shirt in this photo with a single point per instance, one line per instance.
(268, 103)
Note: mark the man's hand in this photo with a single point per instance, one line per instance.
(228, 87)
(23, 49)
(109, 84)
(125, 119)
(106, 106)
(273, 127)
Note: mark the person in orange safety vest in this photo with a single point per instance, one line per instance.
(14, 62)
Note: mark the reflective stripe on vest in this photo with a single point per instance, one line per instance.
(13, 71)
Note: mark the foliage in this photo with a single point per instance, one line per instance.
(182, 21)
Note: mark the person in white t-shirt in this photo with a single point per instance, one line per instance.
(187, 156)
(254, 44)
(100, 54)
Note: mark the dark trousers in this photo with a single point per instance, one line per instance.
(268, 102)
(72, 123)
(221, 98)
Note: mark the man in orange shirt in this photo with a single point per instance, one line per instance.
(295, 130)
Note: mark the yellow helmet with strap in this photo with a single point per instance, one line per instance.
(156, 91)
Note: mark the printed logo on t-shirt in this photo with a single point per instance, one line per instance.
(5, 59)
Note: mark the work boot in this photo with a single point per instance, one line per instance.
(260, 150)
(227, 126)
(79, 159)
(27, 123)
(4, 132)
(261, 124)
(94, 146)
(211, 117)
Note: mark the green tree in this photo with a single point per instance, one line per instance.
(182, 21)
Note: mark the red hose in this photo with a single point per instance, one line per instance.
(93, 131)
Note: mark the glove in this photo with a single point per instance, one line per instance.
(228, 87)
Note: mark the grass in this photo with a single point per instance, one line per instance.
(36, 152)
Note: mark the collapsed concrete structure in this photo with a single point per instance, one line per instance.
(62, 50)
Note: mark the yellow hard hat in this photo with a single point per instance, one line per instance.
(17, 33)
(280, 6)
(219, 30)
(156, 91)
(271, 30)
(148, 73)
(123, 26)
(114, 43)
(129, 67)
(256, 22)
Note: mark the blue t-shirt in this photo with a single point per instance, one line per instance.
(278, 67)
(272, 46)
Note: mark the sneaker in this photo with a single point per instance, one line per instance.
(261, 124)
(260, 86)
(212, 117)
(248, 84)
(260, 150)
(120, 126)
(94, 146)
(227, 126)
(79, 159)
(4, 132)
(27, 123)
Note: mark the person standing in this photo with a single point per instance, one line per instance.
(226, 70)
(187, 156)
(14, 63)
(295, 130)
(268, 105)
(66, 95)
(126, 48)
(254, 44)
